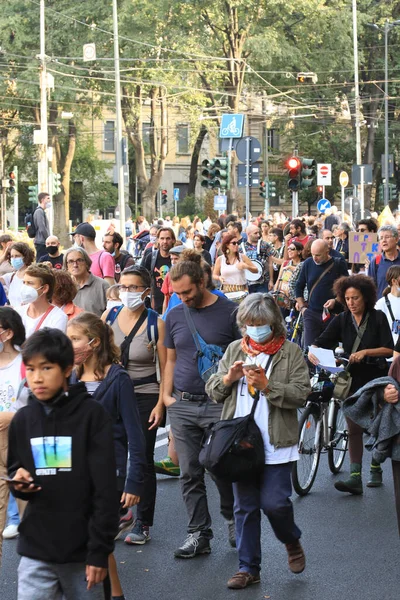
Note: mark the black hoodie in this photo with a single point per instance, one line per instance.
(68, 449)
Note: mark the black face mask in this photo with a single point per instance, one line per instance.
(52, 250)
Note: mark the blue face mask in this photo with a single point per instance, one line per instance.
(258, 333)
(17, 263)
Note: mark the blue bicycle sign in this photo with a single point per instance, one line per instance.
(231, 126)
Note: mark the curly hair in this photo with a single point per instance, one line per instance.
(27, 252)
(226, 240)
(365, 285)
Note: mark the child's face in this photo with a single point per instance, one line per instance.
(46, 379)
(77, 337)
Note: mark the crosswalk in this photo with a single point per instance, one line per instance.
(162, 436)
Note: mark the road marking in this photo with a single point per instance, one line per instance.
(161, 432)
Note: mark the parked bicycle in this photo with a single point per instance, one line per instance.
(322, 428)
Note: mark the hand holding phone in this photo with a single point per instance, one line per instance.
(23, 481)
(252, 367)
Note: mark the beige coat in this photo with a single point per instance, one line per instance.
(289, 386)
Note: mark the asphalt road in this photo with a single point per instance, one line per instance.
(351, 543)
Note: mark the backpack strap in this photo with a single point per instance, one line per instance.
(154, 256)
(389, 308)
(113, 314)
(23, 380)
(43, 318)
(152, 335)
(101, 270)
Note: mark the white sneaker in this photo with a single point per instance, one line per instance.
(10, 532)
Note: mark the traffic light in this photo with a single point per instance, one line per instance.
(56, 183)
(33, 193)
(208, 173)
(263, 189)
(308, 77)
(13, 181)
(307, 173)
(271, 189)
(222, 173)
(164, 197)
(293, 166)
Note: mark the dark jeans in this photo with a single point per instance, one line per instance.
(313, 326)
(146, 506)
(189, 420)
(40, 250)
(271, 494)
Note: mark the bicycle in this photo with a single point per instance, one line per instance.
(294, 326)
(322, 427)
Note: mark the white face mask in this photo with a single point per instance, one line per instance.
(113, 303)
(29, 294)
(131, 300)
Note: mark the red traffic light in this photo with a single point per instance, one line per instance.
(293, 163)
(262, 184)
(12, 175)
(164, 192)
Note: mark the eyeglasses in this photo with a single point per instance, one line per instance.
(362, 230)
(78, 261)
(131, 288)
(385, 237)
(234, 243)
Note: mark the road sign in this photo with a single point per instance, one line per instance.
(344, 179)
(253, 177)
(324, 174)
(89, 52)
(356, 174)
(220, 202)
(254, 149)
(231, 126)
(323, 205)
(176, 194)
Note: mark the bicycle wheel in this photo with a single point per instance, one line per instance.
(305, 469)
(338, 440)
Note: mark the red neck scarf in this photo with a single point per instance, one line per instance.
(252, 348)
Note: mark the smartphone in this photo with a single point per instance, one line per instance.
(18, 482)
(254, 367)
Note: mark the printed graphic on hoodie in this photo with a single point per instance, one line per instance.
(52, 454)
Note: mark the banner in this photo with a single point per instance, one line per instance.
(362, 246)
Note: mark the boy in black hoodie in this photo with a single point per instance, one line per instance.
(61, 447)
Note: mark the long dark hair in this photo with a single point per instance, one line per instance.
(226, 240)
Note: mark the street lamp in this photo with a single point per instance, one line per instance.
(387, 27)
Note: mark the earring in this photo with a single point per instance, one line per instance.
(227, 250)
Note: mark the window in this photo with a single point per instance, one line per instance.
(109, 136)
(273, 139)
(182, 138)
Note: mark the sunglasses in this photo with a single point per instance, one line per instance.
(291, 248)
(234, 243)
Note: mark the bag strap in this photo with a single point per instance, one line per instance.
(128, 339)
(389, 308)
(319, 279)
(192, 327)
(257, 397)
(357, 341)
(43, 317)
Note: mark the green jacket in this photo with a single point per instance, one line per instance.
(289, 386)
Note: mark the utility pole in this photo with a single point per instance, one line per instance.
(43, 162)
(119, 158)
(356, 85)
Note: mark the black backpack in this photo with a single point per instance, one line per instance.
(30, 224)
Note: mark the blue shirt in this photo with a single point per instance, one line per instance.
(378, 271)
(3, 297)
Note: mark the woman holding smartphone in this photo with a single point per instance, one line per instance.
(264, 366)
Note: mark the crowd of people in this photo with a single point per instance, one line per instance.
(100, 346)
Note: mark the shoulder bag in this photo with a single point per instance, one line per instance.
(207, 355)
(344, 379)
(233, 449)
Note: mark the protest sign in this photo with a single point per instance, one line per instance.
(362, 246)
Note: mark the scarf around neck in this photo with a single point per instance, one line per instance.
(252, 348)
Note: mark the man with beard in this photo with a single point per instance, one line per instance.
(190, 410)
(158, 263)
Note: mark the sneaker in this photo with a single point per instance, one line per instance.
(241, 580)
(10, 532)
(194, 545)
(167, 467)
(232, 533)
(296, 557)
(125, 523)
(140, 534)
